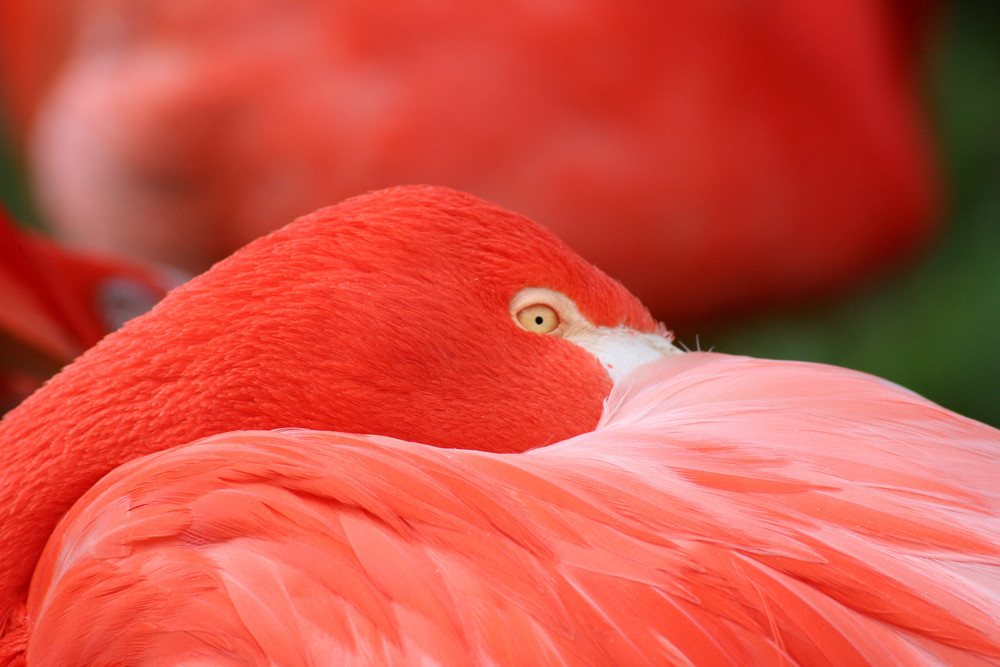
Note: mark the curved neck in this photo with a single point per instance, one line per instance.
(64, 438)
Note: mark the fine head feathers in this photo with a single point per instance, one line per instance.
(385, 314)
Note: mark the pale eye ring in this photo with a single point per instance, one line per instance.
(538, 318)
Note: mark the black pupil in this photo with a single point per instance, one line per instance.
(539, 319)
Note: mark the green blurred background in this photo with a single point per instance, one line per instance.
(933, 326)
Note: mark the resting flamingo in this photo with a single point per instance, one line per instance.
(592, 496)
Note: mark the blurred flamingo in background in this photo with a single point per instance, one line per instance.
(56, 303)
(716, 510)
(713, 156)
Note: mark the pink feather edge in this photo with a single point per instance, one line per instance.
(725, 510)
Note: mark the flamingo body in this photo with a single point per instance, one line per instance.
(725, 511)
(511, 502)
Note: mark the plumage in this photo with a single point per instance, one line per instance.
(344, 445)
(726, 510)
(387, 314)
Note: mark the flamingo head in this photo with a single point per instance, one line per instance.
(416, 312)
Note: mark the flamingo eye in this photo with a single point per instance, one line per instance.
(538, 318)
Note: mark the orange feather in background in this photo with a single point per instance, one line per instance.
(714, 156)
(55, 303)
(715, 510)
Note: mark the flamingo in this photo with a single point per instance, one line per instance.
(355, 319)
(756, 153)
(416, 428)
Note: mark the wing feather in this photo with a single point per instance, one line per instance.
(725, 511)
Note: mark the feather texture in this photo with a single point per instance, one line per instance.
(388, 313)
(725, 511)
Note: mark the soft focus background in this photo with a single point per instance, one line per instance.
(932, 325)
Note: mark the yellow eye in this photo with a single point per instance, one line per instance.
(538, 318)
